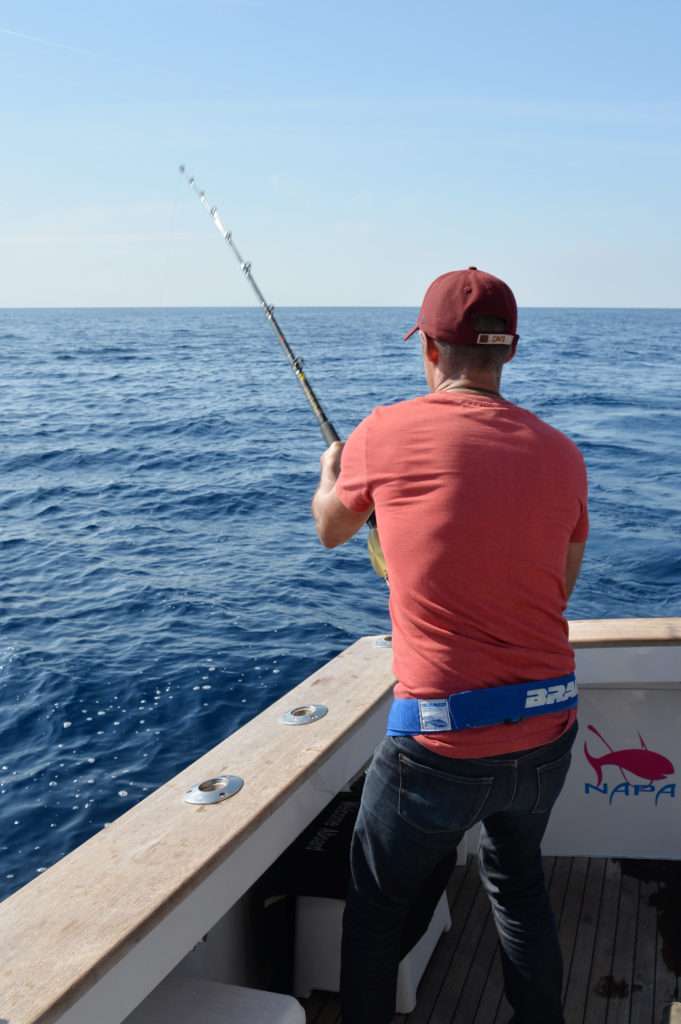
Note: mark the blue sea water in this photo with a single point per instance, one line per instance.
(161, 579)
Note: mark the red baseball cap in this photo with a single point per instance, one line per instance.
(453, 302)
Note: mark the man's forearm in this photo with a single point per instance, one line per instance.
(321, 502)
(334, 522)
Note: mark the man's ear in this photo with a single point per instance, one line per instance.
(430, 350)
(511, 351)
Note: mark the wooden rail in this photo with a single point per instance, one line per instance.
(624, 632)
(70, 925)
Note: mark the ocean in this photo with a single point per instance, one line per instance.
(161, 578)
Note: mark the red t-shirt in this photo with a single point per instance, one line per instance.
(476, 501)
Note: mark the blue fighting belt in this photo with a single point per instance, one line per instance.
(492, 705)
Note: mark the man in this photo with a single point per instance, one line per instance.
(482, 514)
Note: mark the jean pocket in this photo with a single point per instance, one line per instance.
(550, 779)
(436, 802)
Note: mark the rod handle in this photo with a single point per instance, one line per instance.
(328, 432)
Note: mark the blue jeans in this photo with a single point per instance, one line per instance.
(416, 806)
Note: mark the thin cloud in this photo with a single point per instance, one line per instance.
(52, 44)
(48, 42)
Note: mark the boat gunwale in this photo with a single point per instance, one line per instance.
(355, 683)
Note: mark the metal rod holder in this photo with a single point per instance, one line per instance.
(213, 791)
(304, 715)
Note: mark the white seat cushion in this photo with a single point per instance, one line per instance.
(198, 1001)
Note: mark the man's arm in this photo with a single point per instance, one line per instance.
(335, 523)
(573, 562)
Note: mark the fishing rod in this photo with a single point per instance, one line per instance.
(327, 428)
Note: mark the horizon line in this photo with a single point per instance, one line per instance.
(662, 309)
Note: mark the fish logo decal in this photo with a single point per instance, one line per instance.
(638, 761)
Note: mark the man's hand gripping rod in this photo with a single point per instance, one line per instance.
(328, 431)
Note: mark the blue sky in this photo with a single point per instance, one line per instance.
(356, 150)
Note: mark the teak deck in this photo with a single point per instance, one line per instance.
(620, 933)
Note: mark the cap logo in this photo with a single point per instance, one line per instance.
(495, 339)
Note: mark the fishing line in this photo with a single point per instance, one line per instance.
(328, 430)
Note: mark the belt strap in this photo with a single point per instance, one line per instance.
(491, 705)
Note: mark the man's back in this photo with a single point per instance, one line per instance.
(482, 511)
(476, 501)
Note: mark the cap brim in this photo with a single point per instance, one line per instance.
(409, 333)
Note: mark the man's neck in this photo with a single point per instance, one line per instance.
(486, 383)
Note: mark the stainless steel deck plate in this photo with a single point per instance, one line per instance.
(304, 715)
(212, 791)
